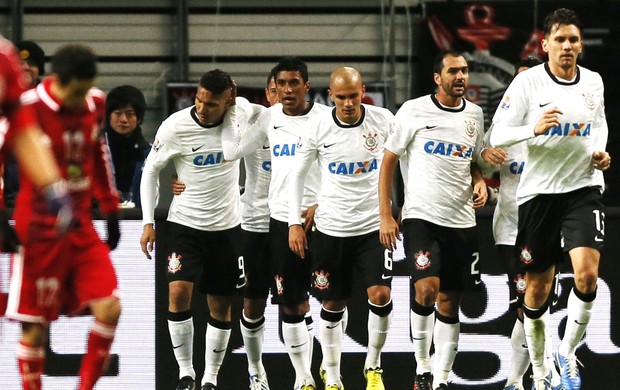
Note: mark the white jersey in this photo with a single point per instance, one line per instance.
(559, 161)
(254, 204)
(210, 201)
(506, 215)
(437, 146)
(282, 133)
(349, 158)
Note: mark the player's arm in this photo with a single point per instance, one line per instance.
(388, 231)
(242, 132)
(479, 186)
(106, 192)
(600, 158)
(304, 158)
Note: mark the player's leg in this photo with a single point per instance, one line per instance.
(423, 259)
(252, 322)
(223, 277)
(31, 354)
(291, 276)
(376, 264)
(107, 312)
(446, 335)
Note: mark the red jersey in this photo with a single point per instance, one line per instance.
(12, 83)
(81, 155)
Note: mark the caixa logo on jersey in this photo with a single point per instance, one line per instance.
(352, 168)
(447, 149)
(209, 159)
(516, 167)
(283, 150)
(570, 130)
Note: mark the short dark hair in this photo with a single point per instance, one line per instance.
(438, 61)
(216, 81)
(74, 61)
(292, 64)
(561, 16)
(527, 62)
(272, 76)
(123, 96)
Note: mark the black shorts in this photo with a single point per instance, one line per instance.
(211, 259)
(448, 253)
(553, 224)
(516, 278)
(255, 251)
(291, 274)
(334, 260)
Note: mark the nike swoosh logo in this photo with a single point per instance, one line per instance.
(277, 127)
(419, 338)
(327, 146)
(430, 127)
(478, 282)
(384, 276)
(298, 345)
(333, 327)
(240, 285)
(581, 323)
(178, 346)
(543, 104)
(219, 350)
(524, 346)
(195, 149)
(266, 146)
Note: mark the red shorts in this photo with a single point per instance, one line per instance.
(60, 276)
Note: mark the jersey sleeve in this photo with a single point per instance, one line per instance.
(165, 147)
(105, 189)
(305, 156)
(244, 131)
(600, 123)
(508, 127)
(401, 136)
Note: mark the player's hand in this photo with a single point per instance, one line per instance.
(548, 120)
(297, 240)
(147, 241)
(308, 216)
(601, 160)
(114, 231)
(495, 156)
(233, 94)
(9, 242)
(177, 186)
(389, 233)
(58, 203)
(481, 194)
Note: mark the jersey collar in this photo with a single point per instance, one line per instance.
(55, 104)
(448, 109)
(192, 112)
(346, 125)
(562, 82)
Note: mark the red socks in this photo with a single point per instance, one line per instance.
(31, 361)
(96, 358)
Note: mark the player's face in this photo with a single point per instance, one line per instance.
(563, 45)
(271, 93)
(124, 120)
(292, 90)
(347, 97)
(454, 77)
(74, 93)
(211, 108)
(32, 71)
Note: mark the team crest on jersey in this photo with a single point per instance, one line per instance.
(321, 279)
(526, 255)
(505, 104)
(520, 284)
(279, 285)
(174, 263)
(589, 100)
(300, 142)
(370, 141)
(422, 260)
(470, 128)
(157, 145)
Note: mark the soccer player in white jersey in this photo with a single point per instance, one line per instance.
(348, 144)
(203, 222)
(280, 127)
(437, 139)
(557, 109)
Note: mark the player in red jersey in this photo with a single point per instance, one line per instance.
(73, 274)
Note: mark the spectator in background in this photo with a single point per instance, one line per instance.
(33, 64)
(124, 113)
(33, 61)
